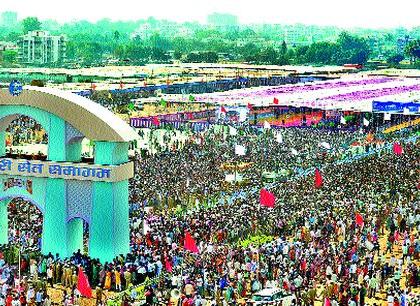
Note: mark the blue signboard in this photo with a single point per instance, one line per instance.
(396, 107)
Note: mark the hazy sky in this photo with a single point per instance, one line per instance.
(350, 13)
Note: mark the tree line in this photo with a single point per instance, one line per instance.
(96, 43)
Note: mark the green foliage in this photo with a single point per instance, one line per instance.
(159, 41)
(30, 24)
(9, 57)
(255, 241)
(395, 59)
(413, 50)
(202, 57)
(347, 50)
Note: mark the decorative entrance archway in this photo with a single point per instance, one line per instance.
(64, 188)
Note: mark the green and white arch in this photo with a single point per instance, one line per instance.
(65, 202)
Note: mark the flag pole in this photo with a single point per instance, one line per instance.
(19, 264)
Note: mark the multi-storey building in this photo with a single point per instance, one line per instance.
(41, 48)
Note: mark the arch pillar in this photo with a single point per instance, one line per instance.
(109, 233)
(4, 222)
(74, 236)
(2, 143)
(54, 232)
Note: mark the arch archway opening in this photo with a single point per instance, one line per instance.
(88, 151)
(25, 222)
(78, 236)
(26, 138)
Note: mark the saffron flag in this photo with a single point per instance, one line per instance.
(155, 121)
(93, 86)
(83, 284)
(189, 243)
(397, 148)
(267, 199)
(359, 219)
(276, 101)
(121, 85)
(318, 179)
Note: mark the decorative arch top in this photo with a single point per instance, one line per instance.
(91, 119)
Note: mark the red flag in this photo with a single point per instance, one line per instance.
(83, 284)
(359, 219)
(168, 265)
(121, 85)
(189, 243)
(318, 179)
(155, 121)
(397, 148)
(223, 109)
(276, 101)
(249, 106)
(327, 302)
(267, 199)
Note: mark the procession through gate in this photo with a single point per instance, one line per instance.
(67, 191)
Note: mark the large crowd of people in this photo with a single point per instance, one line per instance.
(353, 241)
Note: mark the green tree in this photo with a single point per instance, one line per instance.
(249, 52)
(413, 50)
(269, 56)
(395, 59)
(30, 24)
(9, 57)
(117, 36)
(353, 50)
(283, 49)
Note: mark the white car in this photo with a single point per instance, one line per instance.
(273, 296)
